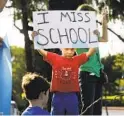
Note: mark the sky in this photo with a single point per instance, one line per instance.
(113, 46)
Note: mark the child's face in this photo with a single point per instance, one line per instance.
(68, 52)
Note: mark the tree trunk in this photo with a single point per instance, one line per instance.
(28, 49)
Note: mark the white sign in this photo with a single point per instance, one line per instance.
(65, 29)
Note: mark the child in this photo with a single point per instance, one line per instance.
(64, 84)
(89, 75)
(36, 89)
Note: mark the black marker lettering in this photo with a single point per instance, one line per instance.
(50, 32)
(86, 14)
(74, 17)
(60, 35)
(44, 18)
(65, 15)
(47, 40)
(84, 31)
(80, 15)
(73, 31)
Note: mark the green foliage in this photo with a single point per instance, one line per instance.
(116, 8)
(119, 62)
(32, 5)
(114, 100)
(112, 97)
(113, 73)
(111, 66)
(18, 70)
(122, 82)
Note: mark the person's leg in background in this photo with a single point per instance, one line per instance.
(98, 105)
(87, 86)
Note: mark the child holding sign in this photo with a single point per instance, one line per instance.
(64, 83)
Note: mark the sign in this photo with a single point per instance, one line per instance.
(65, 29)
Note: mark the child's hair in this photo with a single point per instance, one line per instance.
(33, 84)
(86, 7)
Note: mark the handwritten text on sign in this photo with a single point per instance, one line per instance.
(65, 29)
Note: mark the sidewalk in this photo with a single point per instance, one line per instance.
(114, 108)
(113, 111)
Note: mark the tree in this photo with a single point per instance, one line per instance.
(23, 11)
(18, 70)
(116, 9)
(119, 62)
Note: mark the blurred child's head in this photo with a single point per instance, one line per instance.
(68, 52)
(35, 87)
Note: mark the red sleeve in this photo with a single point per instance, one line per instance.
(81, 59)
(50, 58)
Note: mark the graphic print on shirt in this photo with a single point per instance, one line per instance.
(65, 74)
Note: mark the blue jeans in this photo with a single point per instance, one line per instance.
(64, 103)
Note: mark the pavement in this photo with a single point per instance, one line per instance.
(113, 111)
